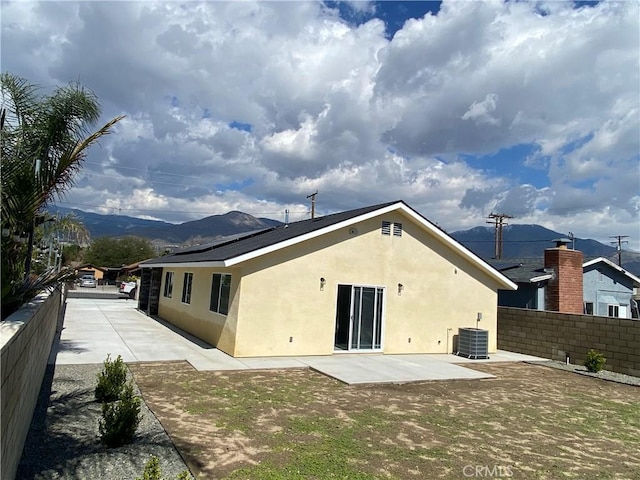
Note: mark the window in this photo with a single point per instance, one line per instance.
(614, 311)
(588, 308)
(397, 229)
(386, 228)
(186, 288)
(168, 284)
(220, 289)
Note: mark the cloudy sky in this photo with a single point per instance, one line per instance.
(460, 108)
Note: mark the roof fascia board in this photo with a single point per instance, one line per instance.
(308, 236)
(540, 278)
(606, 261)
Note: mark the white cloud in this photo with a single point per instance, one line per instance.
(340, 108)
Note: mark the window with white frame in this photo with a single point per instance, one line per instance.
(168, 284)
(220, 291)
(614, 311)
(186, 287)
(588, 308)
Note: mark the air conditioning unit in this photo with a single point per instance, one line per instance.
(473, 343)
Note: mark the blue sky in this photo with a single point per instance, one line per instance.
(459, 108)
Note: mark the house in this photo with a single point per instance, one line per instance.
(609, 289)
(595, 287)
(376, 279)
(87, 269)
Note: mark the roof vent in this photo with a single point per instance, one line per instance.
(561, 242)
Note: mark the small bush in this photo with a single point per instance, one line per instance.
(152, 471)
(120, 419)
(595, 361)
(111, 380)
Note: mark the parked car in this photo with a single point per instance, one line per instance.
(88, 281)
(129, 288)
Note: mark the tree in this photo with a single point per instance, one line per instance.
(115, 252)
(43, 141)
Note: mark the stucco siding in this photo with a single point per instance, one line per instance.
(283, 310)
(195, 317)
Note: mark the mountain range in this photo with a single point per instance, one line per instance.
(519, 241)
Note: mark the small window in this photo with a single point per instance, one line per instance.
(220, 291)
(186, 288)
(168, 284)
(614, 311)
(386, 228)
(588, 308)
(397, 229)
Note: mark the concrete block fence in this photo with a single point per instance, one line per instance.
(26, 338)
(554, 335)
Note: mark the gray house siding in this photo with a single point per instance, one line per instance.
(604, 286)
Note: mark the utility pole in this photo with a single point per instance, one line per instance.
(498, 221)
(313, 204)
(619, 243)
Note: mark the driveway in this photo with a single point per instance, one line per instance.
(95, 327)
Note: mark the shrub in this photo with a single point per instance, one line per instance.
(152, 471)
(595, 361)
(120, 419)
(111, 380)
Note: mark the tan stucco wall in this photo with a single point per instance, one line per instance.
(196, 318)
(283, 311)
(282, 296)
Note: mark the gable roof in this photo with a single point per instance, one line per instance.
(230, 251)
(609, 263)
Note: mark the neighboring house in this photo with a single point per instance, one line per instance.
(88, 269)
(381, 278)
(609, 289)
(605, 289)
(531, 279)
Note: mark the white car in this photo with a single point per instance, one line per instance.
(88, 281)
(129, 288)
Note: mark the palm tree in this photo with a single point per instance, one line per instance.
(43, 141)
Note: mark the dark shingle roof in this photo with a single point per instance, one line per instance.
(520, 270)
(236, 245)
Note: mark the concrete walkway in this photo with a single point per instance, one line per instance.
(95, 327)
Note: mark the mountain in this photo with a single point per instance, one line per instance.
(206, 229)
(530, 241)
(163, 233)
(109, 225)
(519, 241)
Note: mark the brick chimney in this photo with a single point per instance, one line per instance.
(564, 291)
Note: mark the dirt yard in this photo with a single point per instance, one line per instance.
(531, 422)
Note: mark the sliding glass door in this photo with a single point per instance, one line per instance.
(359, 317)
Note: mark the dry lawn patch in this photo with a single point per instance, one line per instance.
(529, 422)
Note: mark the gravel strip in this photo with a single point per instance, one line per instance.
(582, 370)
(64, 441)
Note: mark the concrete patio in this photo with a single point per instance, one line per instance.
(95, 327)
